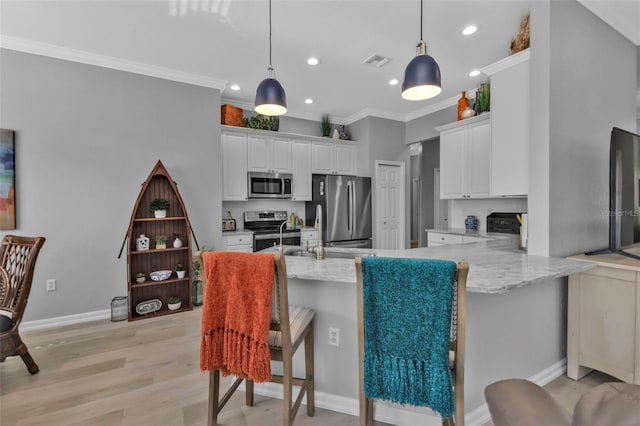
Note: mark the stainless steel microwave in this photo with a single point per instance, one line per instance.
(270, 185)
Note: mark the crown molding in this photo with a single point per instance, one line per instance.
(507, 62)
(81, 56)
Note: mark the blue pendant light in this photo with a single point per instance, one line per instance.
(270, 96)
(422, 75)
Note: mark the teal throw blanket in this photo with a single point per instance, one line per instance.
(407, 317)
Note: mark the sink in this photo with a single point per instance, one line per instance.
(328, 254)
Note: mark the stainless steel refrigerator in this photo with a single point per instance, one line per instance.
(346, 209)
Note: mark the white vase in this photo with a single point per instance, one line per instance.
(177, 243)
(142, 242)
(336, 134)
(160, 213)
(181, 274)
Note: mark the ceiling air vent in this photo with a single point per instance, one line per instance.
(376, 60)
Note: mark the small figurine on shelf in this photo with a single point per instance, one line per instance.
(142, 242)
(177, 242)
(161, 242)
(180, 271)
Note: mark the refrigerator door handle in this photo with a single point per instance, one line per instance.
(353, 203)
(349, 207)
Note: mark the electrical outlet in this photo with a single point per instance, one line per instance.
(334, 336)
(51, 285)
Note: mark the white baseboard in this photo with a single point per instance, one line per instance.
(65, 320)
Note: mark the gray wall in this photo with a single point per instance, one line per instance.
(385, 142)
(86, 138)
(588, 72)
(430, 162)
(422, 128)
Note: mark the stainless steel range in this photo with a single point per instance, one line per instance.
(266, 229)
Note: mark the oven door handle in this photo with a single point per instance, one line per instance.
(275, 235)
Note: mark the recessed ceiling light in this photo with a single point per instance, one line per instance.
(235, 87)
(393, 81)
(474, 73)
(470, 29)
(308, 101)
(313, 61)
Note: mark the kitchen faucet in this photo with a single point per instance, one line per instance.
(319, 248)
(280, 249)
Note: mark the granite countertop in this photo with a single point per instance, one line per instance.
(495, 266)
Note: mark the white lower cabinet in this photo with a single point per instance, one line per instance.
(443, 239)
(310, 236)
(440, 239)
(465, 159)
(238, 242)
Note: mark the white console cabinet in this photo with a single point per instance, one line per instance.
(603, 318)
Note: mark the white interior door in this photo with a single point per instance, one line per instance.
(390, 205)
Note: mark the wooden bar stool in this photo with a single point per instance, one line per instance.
(289, 327)
(401, 358)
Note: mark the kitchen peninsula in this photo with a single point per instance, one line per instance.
(515, 322)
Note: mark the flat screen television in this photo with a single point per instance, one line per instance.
(624, 192)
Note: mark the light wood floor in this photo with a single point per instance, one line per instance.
(146, 373)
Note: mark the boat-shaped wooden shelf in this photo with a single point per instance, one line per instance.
(158, 185)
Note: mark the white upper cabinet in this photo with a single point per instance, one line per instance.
(269, 154)
(301, 170)
(465, 159)
(333, 158)
(234, 166)
(510, 125)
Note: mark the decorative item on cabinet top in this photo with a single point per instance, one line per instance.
(262, 122)
(325, 126)
(231, 115)
(521, 40)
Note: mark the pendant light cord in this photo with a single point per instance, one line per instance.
(420, 19)
(270, 65)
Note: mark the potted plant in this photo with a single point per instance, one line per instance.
(159, 207)
(174, 302)
(140, 277)
(161, 242)
(180, 271)
(325, 125)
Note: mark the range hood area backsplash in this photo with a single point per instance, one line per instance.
(481, 208)
(238, 208)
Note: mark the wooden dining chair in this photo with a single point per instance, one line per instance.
(17, 261)
(455, 344)
(289, 327)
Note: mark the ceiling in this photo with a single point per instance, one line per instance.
(217, 43)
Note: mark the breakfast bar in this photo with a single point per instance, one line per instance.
(515, 321)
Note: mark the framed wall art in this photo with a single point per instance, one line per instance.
(7, 180)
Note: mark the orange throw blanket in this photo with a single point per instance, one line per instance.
(236, 314)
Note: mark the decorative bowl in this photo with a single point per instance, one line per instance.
(149, 306)
(160, 275)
